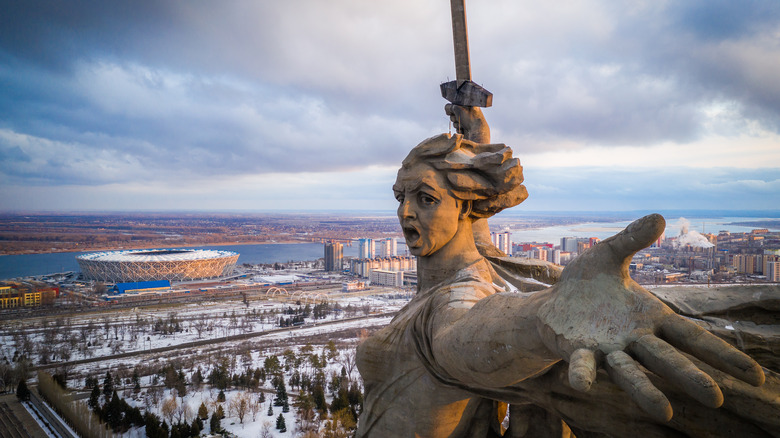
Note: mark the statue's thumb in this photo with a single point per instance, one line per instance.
(613, 255)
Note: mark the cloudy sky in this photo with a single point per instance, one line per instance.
(306, 104)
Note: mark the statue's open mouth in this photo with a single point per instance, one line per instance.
(412, 236)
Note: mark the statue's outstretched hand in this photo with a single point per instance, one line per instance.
(469, 121)
(597, 316)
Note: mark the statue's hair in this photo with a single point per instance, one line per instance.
(485, 174)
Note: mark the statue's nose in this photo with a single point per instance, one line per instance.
(406, 210)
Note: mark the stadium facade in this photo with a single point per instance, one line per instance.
(157, 264)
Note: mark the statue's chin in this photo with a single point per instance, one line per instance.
(415, 251)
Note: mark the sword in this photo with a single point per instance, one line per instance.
(462, 91)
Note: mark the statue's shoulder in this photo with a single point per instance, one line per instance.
(526, 274)
(468, 286)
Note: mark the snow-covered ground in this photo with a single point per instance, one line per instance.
(142, 330)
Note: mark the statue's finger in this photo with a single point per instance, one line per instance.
(716, 352)
(638, 234)
(448, 109)
(664, 360)
(582, 369)
(627, 375)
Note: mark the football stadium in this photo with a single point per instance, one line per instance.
(157, 264)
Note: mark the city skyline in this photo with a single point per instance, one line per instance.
(310, 105)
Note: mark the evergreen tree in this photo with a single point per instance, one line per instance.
(280, 424)
(270, 411)
(197, 378)
(21, 391)
(221, 396)
(318, 393)
(94, 398)
(89, 382)
(181, 387)
(220, 412)
(108, 386)
(136, 381)
(281, 394)
(113, 411)
(340, 401)
(214, 423)
(261, 399)
(355, 396)
(272, 365)
(203, 412)
(197, 427)
(153, 429)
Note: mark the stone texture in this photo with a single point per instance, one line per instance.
(746, 316)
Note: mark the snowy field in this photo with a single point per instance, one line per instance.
(140, 347)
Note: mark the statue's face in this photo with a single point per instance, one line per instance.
(427, 211)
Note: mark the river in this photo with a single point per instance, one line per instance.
(602, 230)
(25, 265)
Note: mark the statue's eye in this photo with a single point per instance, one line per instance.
(399, 197)
(426, 199)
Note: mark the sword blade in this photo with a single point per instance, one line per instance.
(460, 40)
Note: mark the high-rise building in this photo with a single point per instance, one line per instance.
(773, 271)
(366, 249)
(388, 247)
(334, 254)
(568, 244)
(502, 241)
(540, 253)
(554, 256)
(745, 263)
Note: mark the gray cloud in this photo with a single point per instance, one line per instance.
(602, 188)
(95, 93)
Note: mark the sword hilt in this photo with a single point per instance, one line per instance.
(467, 94)
(463, 91)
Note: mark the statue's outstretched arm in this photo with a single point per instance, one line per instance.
(596, 316)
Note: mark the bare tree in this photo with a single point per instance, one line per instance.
(265, 432)
(107, 324)
(156, 394)
(169, 408)
(347, 359)
(254, 408)
(183, 413)
(239, 406)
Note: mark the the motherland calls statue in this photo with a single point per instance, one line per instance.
(593, 355)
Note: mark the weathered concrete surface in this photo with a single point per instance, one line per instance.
(746, 316)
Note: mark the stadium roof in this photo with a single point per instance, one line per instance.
(156, 255)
